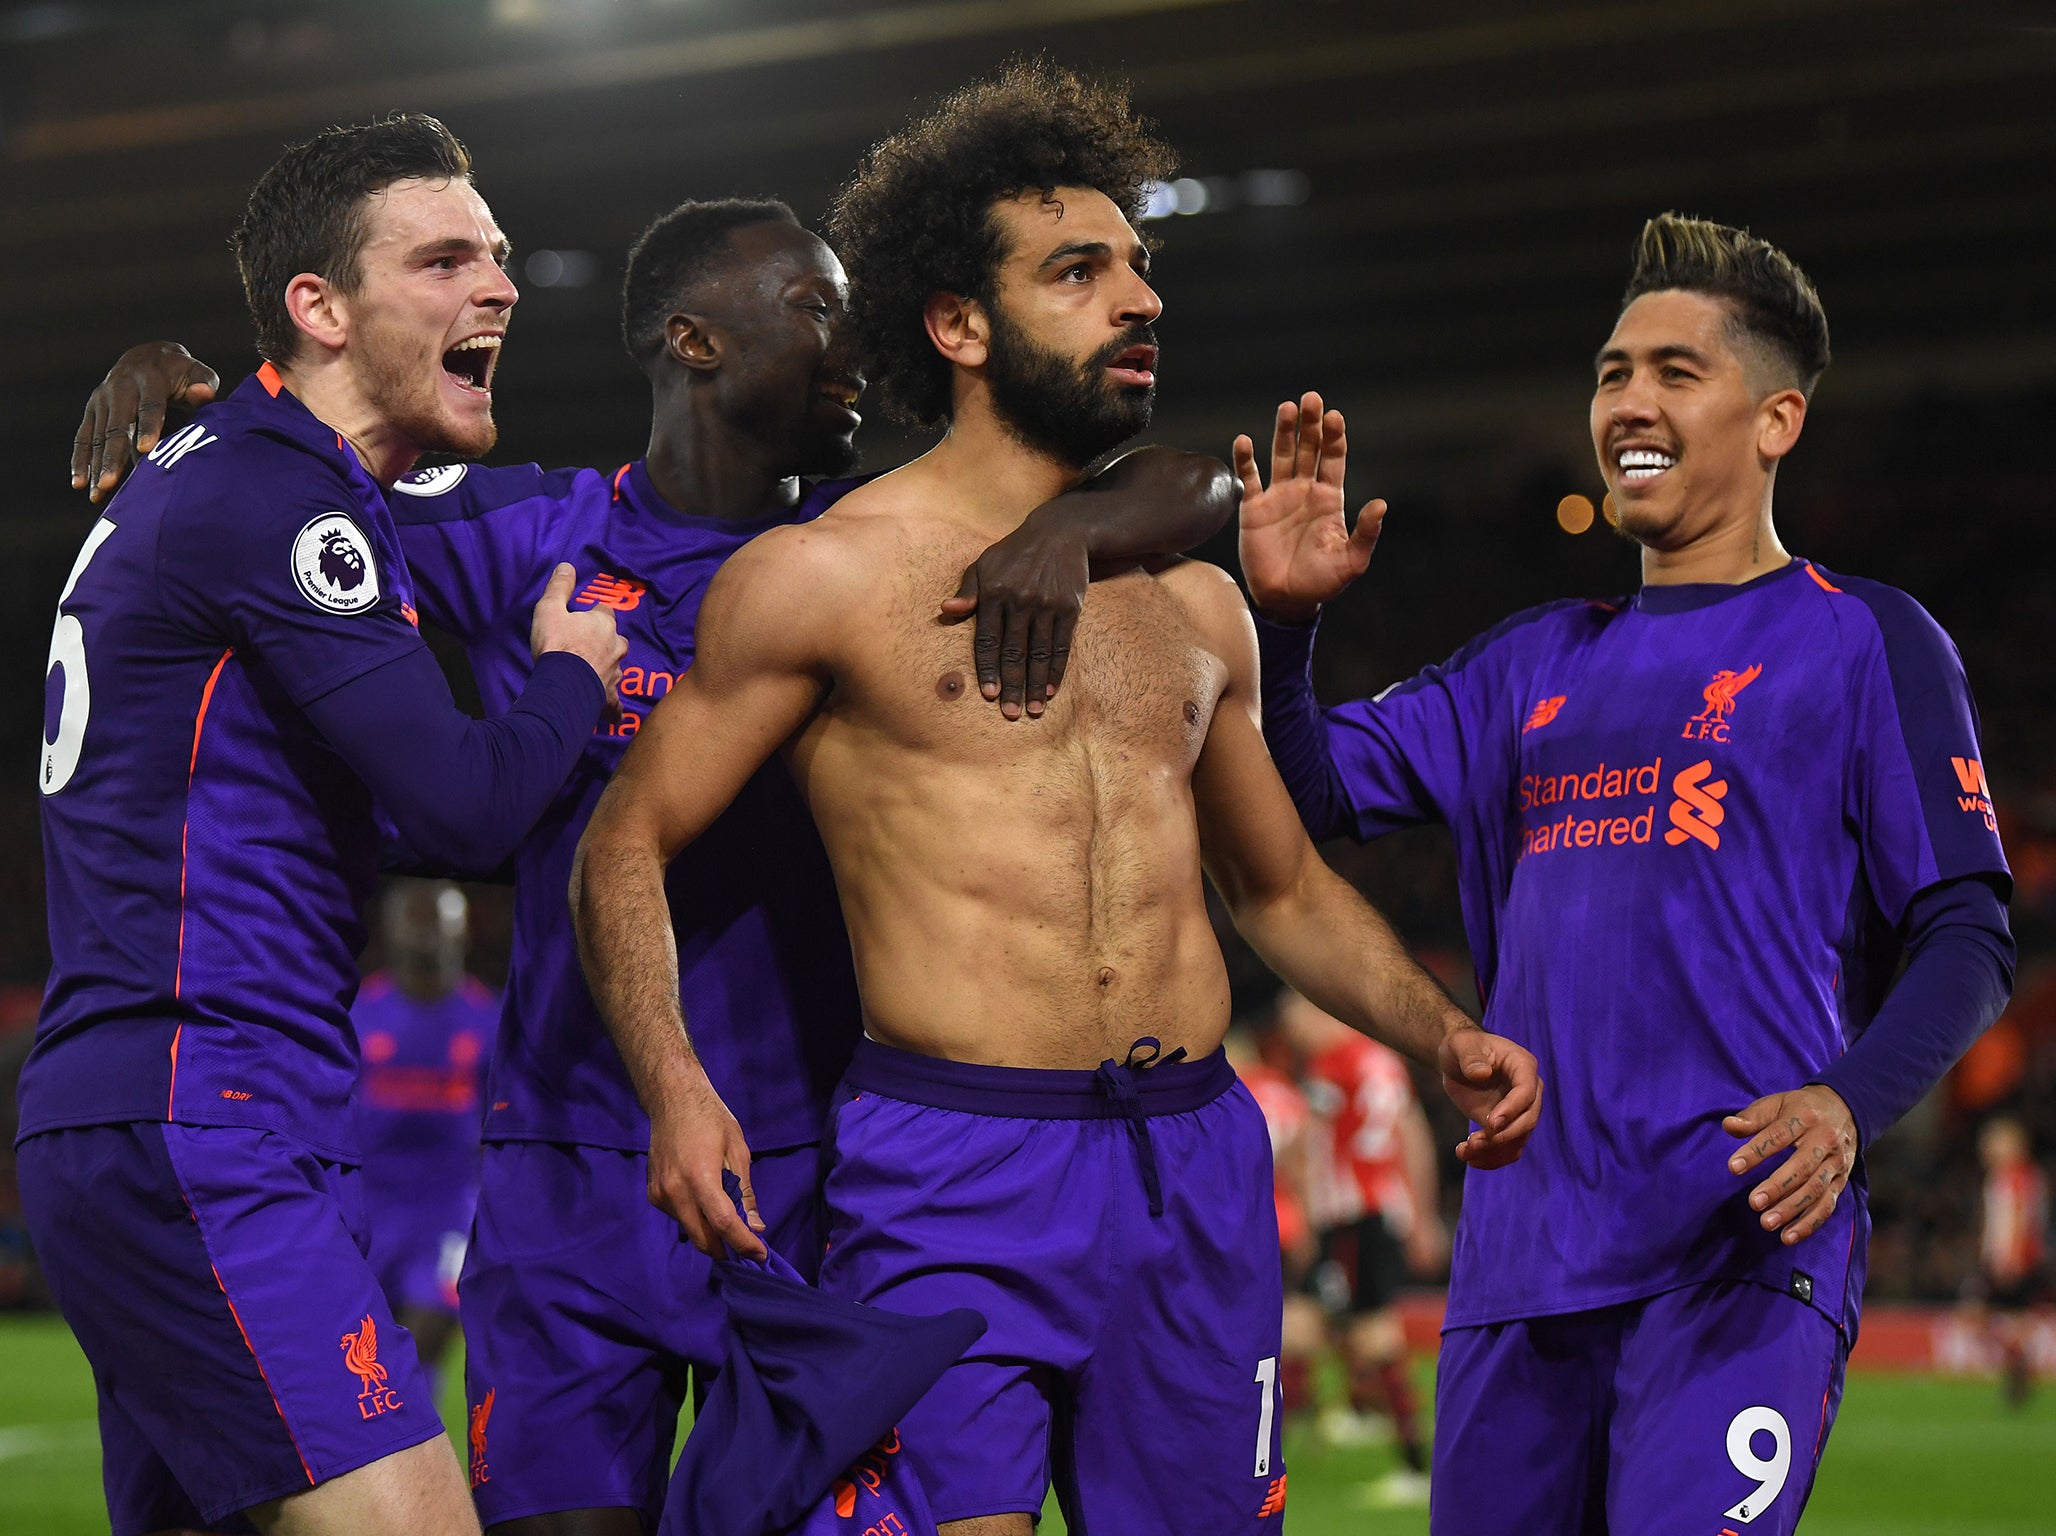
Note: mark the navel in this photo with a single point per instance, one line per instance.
(1106, 976)
(1191, 713)
(950, 685)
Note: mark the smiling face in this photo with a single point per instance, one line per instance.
(777, 309)
(427, 317)
(1688, 423)
(1071, 354)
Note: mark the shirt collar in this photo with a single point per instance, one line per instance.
(1687, 596)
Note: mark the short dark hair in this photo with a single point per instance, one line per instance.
(917, 217)
(307, 213)
(676, 252)
(1772, 302)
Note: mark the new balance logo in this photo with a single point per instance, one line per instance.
(621, 593)
(1976, 799)
(1544, 712)
(480, 1413)
(182, 442)
(360, 1355)
(1711, 723)
(1274, 1500)
(1697, 810)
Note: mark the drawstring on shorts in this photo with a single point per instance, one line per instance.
(1116, 1079)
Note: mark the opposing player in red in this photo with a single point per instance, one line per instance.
(1374, 1209)
(2014, 1245)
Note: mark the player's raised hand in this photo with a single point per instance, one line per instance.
(694, 1140)
(125, 415)
(1027, 591)
(1499, 1086)
(1816, 1126)
(587, 633)
(1298, 550)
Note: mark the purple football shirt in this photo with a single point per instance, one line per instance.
(207, 852)
(764, 965)
(1687, 826)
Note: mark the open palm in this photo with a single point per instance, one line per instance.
(1297, 548)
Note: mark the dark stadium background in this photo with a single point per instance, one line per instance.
(1422, 209)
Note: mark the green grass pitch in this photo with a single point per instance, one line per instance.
(1911, 1454)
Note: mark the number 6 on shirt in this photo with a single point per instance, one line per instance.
(68, 650)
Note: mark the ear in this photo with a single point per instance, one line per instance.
(1780, 418)
(690, 342)
(959, 328)
(319, 310)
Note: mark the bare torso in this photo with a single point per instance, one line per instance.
(1023, 893)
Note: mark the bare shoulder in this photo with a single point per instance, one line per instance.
(781, 597)
(1213, 601)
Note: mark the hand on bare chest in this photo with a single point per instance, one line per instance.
(1138, 682)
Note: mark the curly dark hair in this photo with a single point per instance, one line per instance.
(917, 217)
(308, 213)
(1773, 303)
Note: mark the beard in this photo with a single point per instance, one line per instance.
(1056, 405)
(405, 388)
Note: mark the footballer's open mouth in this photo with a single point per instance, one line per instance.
(1134, 368)
(1640, 463)
(843, 394)
(471, 362)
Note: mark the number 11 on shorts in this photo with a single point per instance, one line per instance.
(1267, 1378)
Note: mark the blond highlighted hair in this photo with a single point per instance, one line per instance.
(1772, 302)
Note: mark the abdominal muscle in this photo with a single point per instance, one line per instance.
(1032, 914)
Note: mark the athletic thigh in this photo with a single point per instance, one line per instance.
(215, 1279)
(1520, 1426)
(1725, 1396)
(1191, 1339)
(584, 1310)
(931, 1209)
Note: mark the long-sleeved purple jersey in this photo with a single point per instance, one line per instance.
(1687, 827)
(764, 964)
(207, 852)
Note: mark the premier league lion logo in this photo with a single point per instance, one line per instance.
(341, 562)
(333, 565)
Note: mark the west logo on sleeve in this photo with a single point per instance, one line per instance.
(1976, 799)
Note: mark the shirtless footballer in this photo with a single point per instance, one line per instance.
(1041, 1124)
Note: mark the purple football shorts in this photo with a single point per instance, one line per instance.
(1702, 1411)
(583, 1308)
(1117, 1231)
(216, 1279)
